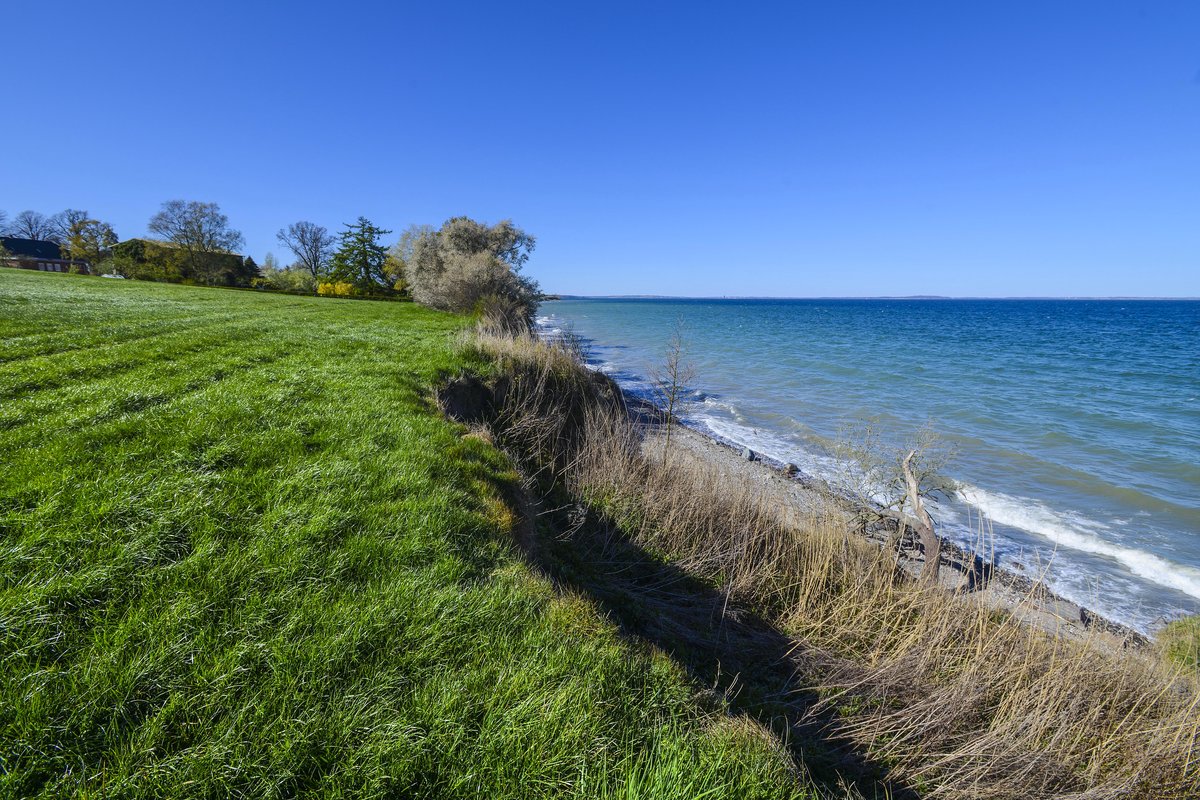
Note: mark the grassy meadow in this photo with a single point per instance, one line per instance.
(241, 554)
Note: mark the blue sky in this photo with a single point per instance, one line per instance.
(797, 149)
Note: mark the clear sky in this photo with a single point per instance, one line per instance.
(791, 149)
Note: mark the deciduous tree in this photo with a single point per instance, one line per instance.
(466, 263)
(64, 221)
(296, 278)
(201, 231)
(33, 225)
(311, 243)
(670, 381)
(89, 240)
(895, 483)
(400, 254)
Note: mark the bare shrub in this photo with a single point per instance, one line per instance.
(467, 266)
(544, 397)
(670, 381)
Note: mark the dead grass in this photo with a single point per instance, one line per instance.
(955, 698)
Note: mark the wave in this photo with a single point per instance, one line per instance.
(1066, 529)
(773, 447)
(1078, 533)
(713, 402)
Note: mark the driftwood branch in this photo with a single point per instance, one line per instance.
(922, 523)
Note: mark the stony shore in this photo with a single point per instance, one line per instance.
(971, 575)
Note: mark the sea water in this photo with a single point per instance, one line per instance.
(1076, 423)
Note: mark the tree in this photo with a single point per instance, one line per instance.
(64, 221)
(312, 245)
(360, 258)
(33, 225)
(296, 278)
(3, 223)
(465, 265)
(202, 232)
(401, 253)
(89, 240)
(670, 382)
(404, 248)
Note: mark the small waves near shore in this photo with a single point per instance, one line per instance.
(1076, 423)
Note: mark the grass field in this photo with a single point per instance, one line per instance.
(242, 555)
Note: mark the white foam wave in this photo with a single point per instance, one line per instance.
(712, 402)
(774, 447)
(549, 326)
(1078, 533)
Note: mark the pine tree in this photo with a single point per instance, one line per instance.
(360, 258)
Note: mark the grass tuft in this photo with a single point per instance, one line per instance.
(1180, 641)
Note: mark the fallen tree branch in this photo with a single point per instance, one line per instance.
(923, 523)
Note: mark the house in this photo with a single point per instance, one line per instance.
(155, 260)
(36, 254)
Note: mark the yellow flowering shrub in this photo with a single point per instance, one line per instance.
(336, 289)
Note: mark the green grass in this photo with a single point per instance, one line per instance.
(1180, 641)
(241, 555)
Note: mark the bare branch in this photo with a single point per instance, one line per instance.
(33, 225)
(310, 243)
(924, 523)
(671, 379)
(200, 230)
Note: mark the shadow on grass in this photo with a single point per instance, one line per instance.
(760, 671)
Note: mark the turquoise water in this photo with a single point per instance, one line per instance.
(1076, 423)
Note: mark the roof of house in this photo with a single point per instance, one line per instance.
(30, 248)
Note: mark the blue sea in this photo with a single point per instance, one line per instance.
(1076, 423)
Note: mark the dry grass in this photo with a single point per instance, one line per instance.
(956, 699)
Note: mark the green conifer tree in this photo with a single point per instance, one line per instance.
(360, 258)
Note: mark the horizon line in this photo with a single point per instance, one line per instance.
(567, 295)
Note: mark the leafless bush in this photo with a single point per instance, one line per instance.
(670, 380)
(467, 266)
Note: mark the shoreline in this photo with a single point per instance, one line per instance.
(967, 574)
(1087, 489)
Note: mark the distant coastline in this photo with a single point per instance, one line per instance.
(1080, 298)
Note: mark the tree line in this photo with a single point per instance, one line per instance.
(80, 236)
(464, 265)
